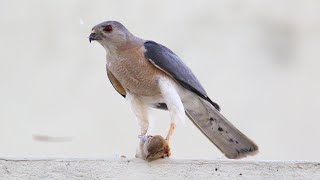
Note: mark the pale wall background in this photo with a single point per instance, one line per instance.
(259, 60)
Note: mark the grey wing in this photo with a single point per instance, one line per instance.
(170, 63)
(198, 106)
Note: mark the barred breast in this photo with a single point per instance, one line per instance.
(135, 73)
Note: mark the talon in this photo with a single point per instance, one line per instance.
(168, 153)
(140, 136)
(167, 148)
(167, 141)
(144, 136)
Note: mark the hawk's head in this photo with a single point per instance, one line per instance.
(111, 35)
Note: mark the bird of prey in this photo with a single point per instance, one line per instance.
(149, 74)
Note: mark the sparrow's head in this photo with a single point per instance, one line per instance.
(110, 34)
(156, 148)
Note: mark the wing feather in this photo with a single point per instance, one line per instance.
(116, 84)
(166, 60)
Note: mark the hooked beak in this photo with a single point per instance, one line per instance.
(94, 36)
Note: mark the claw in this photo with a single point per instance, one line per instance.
(140, 136)
(144, 138)
(167, 148)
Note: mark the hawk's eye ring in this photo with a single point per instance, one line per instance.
(108, 28)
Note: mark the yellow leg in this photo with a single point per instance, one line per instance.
(171, 130)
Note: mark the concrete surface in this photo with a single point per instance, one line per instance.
(125, 168)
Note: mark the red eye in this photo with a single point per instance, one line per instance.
(108, 28)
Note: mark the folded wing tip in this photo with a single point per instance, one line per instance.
(242, 153)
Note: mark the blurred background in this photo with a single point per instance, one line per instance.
(258, 59)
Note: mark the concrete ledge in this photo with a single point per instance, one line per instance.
(161, 169)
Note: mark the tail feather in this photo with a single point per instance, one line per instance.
(233, 143)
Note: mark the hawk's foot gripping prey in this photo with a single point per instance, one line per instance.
(152, 148)
(149, 74)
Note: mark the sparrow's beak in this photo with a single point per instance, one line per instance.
(94, 37)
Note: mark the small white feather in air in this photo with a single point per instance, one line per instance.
(81, 21)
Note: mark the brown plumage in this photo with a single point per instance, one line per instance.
(134, 73)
